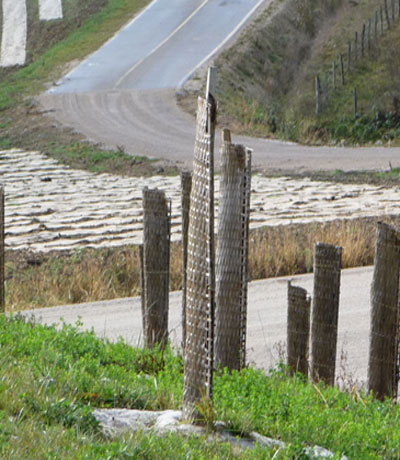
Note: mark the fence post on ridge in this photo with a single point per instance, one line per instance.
(318, 108)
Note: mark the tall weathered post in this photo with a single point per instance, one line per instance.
(156, 250)
(318, 102)
(355, 47)
(199, 348)
(363, 41)
(231, 260)
(355, 102)
(349, 56)
(341, 68)
(387, 14)
(2, 244)
(325, 312)
(186, 184)
(142, 288)
(298, 329)
(384, 332)
(334, 75)
(369, 34)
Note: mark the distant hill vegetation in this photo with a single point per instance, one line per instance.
(267, 80)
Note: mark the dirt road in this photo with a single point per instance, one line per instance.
(124, 94)
(150, 123)
(266, 330)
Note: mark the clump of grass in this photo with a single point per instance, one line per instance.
(268, 79)
(289, 250)
(51, 46)
(52, 378)
(40, 280)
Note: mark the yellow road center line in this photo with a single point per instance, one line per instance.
(162, 43)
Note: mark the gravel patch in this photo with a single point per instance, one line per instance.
(50, 9)
(53, 207)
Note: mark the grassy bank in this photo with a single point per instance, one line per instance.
(43, 280)
(53, 48)
(51, 380)
(267, 79)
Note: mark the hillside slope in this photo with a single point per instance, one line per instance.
(52, 48)
(267, 84)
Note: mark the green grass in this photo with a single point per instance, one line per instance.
(91, 158)
(51, 379)
(51, 47)
(29, 80)
(276, 97)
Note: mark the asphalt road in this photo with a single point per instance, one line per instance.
(266, 330)
(133, 105)
(123, 95)
(161, 47)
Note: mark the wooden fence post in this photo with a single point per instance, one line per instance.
(376, 26)
(156, 248)
(327, 266)
(341, 67)
(349, 56)
(142, 290)
(387, 14)
(186, 186)
(355, 102)
(381, 15)
(363, 40)
(326, 89)
(246, 196)
(384, 338)
(393, 11)
(334, 75)
(199, 349)
(318, 107)
(2, 245)
(298, 329)
(232, 236)
(355, 46)
(369, 34)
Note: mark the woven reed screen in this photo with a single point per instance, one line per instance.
(2, 219)
(186, 185)
(199, 345)
(231, 261)
(324, 326)
(384, 336)
(298, 329)
(156, 250)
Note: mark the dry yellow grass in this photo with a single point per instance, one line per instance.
(91, 275)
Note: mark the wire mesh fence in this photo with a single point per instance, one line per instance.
(156, 249)
(231, 260)
(186, 185)
(198, 372)
(298, 329)
(324, 326)
(384, 334)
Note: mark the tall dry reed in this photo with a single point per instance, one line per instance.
(34, 281)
